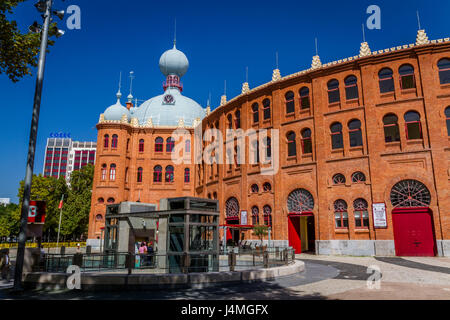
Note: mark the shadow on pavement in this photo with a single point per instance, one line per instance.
(412, 264)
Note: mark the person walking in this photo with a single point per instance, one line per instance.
(5, 265)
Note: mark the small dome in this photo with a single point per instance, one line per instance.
(116, 111)
(173, 61)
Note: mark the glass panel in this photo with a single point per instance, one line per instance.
(355, 138)
(337, 217)
(177, 218)
(201, 238)
(307, 146)
(351, 92)
(444, 76)
(336, 140)
(290, 106)
(387, 85)
(391, 133)
(408, 82)
(334, 96)
(414, 131)
(176, 239)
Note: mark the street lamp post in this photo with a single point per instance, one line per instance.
(41, 6)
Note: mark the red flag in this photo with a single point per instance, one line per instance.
(60, 204)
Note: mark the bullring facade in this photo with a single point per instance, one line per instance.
(370, 130)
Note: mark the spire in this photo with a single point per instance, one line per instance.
(175, 35)
(276, 75)
(223, 99)
(245, 87)
(130, 96)
(316, 63)
(119, 94)
(422, 37)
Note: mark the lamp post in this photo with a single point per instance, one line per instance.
(46, 8)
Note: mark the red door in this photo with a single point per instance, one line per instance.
(294, 234)
(414, 232)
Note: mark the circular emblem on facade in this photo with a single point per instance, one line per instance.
(410, 194)
(299, 201)
(169, 99)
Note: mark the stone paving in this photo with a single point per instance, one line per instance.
(325, 277)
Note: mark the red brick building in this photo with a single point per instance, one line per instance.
(373, 129)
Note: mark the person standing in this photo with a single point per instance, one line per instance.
(5, 265)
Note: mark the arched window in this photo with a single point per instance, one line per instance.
(255, 110)
(157, 174)
(215, 195)
(266, 109)
(306, 141)
(267, 211)
(351, 88)
(444, 71)
(141, 145)
(292, 146)
(333, 91)
(101, 200)
(99, 217)
(290, 103)
(230, 121)
(112, 172)
(338, 179)
(255, 151)
(391, 131)
(407, 79)
(413, 126)
(159, 144)
(361, 214)
(300, 201)
(209, 195)
(267, 187)
(255, 188)
(340, 214)
(447, 116)
(104, 172)
(114, 141)
(304, 98)
(354, 133)
(336, 136)
(238, 119)
(169, 174)
(139, 174)
(255, 215)
(358, 177)
(187, 175)
(128, 144)
(232, 211)
(170, 144)
(410, 194)
(111, 200)
(386, 80)
(106, 141)
(187, 146)
(126, 175)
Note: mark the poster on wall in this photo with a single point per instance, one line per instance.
(244, 218)
(379, 215)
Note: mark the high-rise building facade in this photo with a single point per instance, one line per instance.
(62, 156)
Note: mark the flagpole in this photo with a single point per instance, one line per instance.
(59, 225)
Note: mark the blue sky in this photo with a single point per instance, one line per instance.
(220, 39)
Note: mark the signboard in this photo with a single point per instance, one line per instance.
(36, 212)
(379, 215)
(244, 218)
(62, 135)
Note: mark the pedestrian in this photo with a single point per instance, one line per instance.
(150, 254)
(78, 248)
(5, 265)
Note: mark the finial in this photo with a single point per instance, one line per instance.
(364, 33)
(276, 75)
(317, 50)
(119, 94)
(130, 96)
(223, 100)
(316, 63)
(418, 20)
(175, 35)
(364, 50)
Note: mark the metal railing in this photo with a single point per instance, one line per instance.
(167, 263)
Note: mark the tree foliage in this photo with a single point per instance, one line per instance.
(260, 232)
(18, 51)
(9, 224)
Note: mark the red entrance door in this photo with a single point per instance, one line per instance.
(414, 232)
(294, 233)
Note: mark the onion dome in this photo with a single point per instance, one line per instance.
(173, 62)
(116, 111)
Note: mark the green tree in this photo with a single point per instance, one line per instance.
(8, 220)
(18, 51)
(260, 232)
(50, 190)
(75, 217)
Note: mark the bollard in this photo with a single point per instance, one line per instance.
(277, 253)
(129, 262)
(266, 259)
(253, 254)
(62, 250)
(88, 250)
(231, 260)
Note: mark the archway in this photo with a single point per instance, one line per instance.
(301, 226)
(412, 219)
